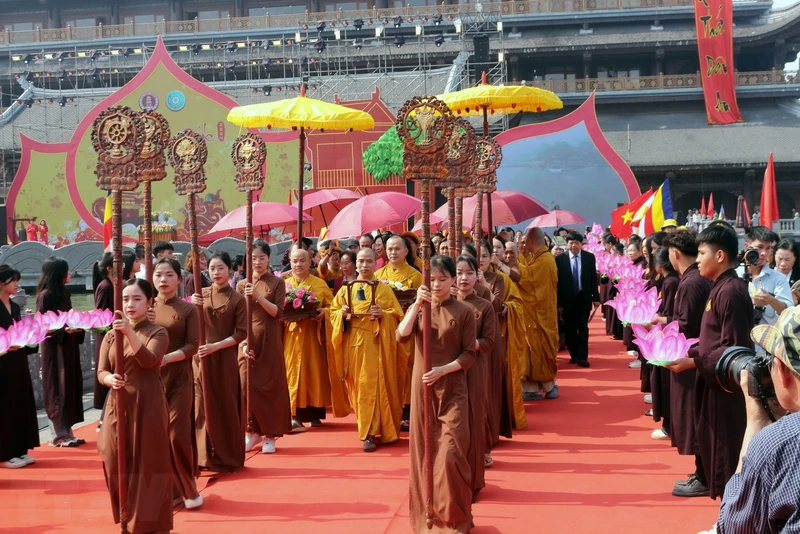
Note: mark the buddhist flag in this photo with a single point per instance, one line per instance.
(622, 217)
(721, 212)
(107, 230)
(651, 215)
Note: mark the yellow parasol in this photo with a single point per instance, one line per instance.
(485, 99)
(303, 113)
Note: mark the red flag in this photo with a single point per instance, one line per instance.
(710, 211)
(769, 196)
(747, 212)
(703, 206)
(714, 24)
(622, 217)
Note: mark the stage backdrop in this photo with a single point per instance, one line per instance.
(56, 182)
(567, 164)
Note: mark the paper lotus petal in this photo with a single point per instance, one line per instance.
(78, 320)
(101, 320)
(38, 333)
(597, 230)
(661, 346)
(5, 342)
(51, 319)
(636, 307)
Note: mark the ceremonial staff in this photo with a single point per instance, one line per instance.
(487, 158)
(151, 168)
(424, 125)
(117, 138)
(187, 153)
(249, 154)
(459, 150)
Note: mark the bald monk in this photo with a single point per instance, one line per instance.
(398, 270)
(366, 355)
(539, 286)
(330, 268)
(305, 356)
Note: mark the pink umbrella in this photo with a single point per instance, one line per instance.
(438, 221)
(377, 210)
(509, 207)
(266, 216)
(324, 205)
(556, 218)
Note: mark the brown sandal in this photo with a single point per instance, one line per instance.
(370, 445)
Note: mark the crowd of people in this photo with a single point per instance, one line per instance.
(500, 310)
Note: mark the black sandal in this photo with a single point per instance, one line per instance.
(370, 445)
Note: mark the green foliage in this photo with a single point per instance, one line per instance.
(384, 157)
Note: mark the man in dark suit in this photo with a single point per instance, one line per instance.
(577, 293)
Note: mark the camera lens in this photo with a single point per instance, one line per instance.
(751, 256)
(729, 367)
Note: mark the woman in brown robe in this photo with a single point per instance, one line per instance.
(102, 278)
(222, 449)
(18, 425)
(270, 407)
(660, 377)
(148, 468)
(182, 323)
(62, 378)
(480, 374)
(452, 353)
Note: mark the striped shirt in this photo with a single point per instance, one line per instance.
(765, 496)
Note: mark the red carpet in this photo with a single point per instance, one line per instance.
(586, 464)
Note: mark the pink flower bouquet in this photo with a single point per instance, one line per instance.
(298, 297)
(636, 307)
(662, 346)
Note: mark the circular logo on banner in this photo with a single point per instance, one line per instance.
(176, 100)
(148, 101)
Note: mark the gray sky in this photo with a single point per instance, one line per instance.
(780, 4)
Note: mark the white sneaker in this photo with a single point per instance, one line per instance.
(634, 353)
(648, 399)
(14, 463)
(191, 504)
(635, 364)
(250, 441)
(659, 434)
(268, 447)
(27, 459)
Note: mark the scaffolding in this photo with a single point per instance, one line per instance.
(54, 91)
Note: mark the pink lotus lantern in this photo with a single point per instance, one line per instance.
(634, 284)
(52, 320)
(636, 307)
(5, 342)
(662, 346)
(100, 321)
(597, 230)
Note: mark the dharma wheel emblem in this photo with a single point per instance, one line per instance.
(249, 154)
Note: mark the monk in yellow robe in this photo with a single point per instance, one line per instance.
(538, 287)
(400, 271)
(304, 348)
(366, 355)
(330, 267)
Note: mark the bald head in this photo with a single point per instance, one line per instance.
(300, 261)
(534, 239)
(365, 263)
(396, 251)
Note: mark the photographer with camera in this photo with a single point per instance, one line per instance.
(727, 321)
(764, 494)
(770, 289)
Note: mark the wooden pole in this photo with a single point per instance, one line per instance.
(488, 193)
(478, 230)
(452, 242)
(148, 231)
(198, 289)
(248, 247)
(459, 218)
(427, 333)
(300, 185)
(119, 363)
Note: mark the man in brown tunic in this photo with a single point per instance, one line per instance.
(690, 302)
(727, 321)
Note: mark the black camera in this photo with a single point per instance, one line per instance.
(759, 381)
(750, 256)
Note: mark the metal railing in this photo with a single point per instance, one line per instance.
(649, 83)
(339, 18)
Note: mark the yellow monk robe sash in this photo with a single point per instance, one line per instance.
(367, 359)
